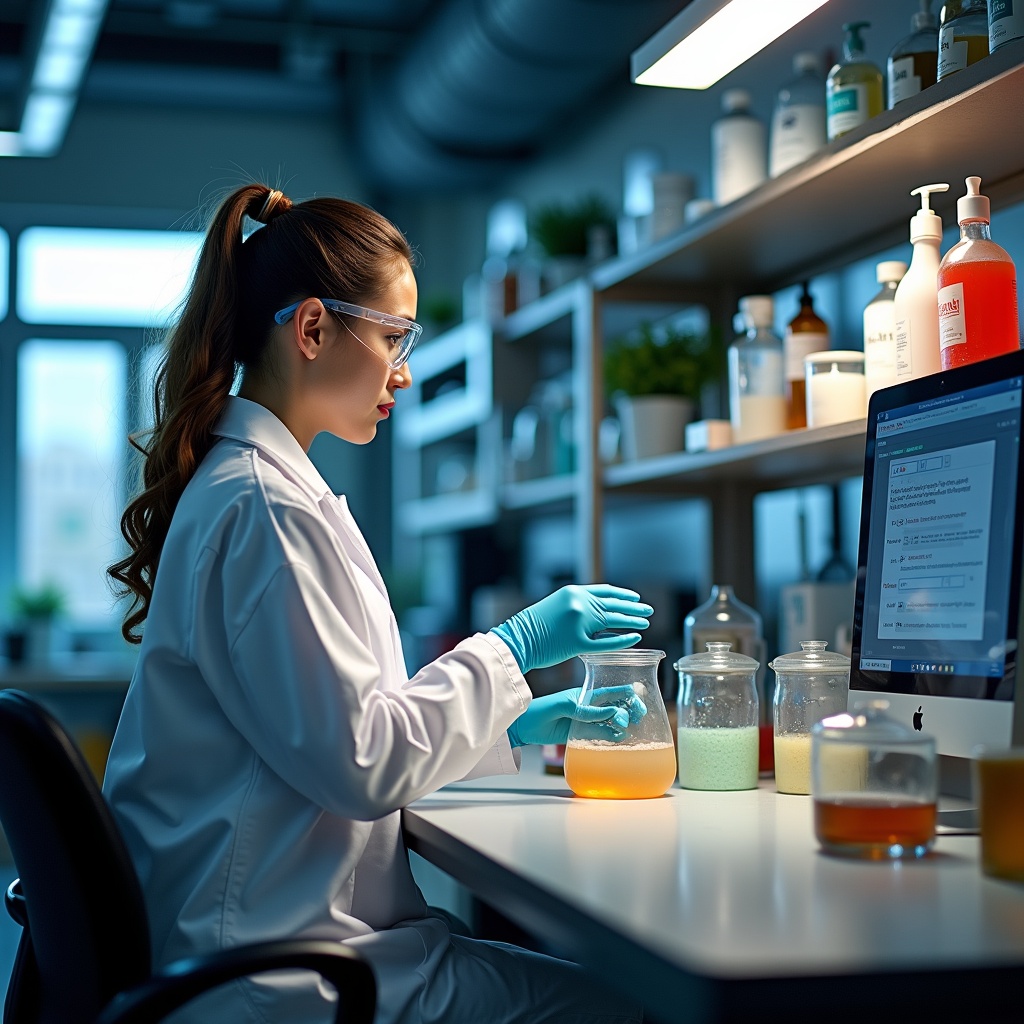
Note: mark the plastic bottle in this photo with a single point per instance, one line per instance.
(739, 159)
(977, 289)
(880, 328)
(917, 304)
(853, 88)
(913, 61)
(805, 333)
(1005, 22)
(757, 380)
(963, 35)
(798, 122)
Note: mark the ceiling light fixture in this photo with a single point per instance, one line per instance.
(709, 38)
(65, 44)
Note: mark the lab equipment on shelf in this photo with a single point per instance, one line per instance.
(1005, 23)
(836, 391)
(798, 121)
(757, 380)
(739, 157)
(805, 333)
(913, 61)
(853, 89)
(963, 35)
(880, 328)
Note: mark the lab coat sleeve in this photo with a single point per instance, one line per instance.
(300, 684)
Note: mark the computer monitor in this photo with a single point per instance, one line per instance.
(937, 615)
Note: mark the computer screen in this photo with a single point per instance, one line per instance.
(936, 617)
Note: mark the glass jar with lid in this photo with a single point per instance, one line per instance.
(874, 784)
(717, 719)
(810, 684)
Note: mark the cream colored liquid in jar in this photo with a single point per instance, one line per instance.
(793, 763)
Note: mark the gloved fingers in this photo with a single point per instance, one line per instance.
(609, 713)
(613, 605)
(616, 642)
(616, 620)
(606, 590)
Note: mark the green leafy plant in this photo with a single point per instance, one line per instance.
(560, 229)
(662, 361)
(45, 602)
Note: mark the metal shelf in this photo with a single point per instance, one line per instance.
(553, 491)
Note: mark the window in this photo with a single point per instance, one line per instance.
(70, 462)
(103, 276)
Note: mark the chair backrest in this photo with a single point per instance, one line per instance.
(87, 921)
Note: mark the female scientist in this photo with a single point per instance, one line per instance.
(271, 734)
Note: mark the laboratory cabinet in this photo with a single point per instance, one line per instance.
(847, 203)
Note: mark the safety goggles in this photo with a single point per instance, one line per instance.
(393, 345)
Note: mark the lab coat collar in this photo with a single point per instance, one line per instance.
(255, 424)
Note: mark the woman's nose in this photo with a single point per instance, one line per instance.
(402, 377)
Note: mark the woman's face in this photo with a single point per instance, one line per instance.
(355, 387)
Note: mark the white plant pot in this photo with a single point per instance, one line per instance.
(652, 424)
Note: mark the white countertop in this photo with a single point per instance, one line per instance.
(723, 886)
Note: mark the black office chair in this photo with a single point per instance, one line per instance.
(84, 954)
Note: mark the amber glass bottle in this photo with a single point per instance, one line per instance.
(806, 333)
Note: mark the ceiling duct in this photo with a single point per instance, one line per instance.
(486, 81)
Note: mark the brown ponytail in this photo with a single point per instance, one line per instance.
(323, 247)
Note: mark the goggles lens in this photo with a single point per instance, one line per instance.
(393, 343)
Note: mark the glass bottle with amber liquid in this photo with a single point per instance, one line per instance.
(806, 333)
(963, 35)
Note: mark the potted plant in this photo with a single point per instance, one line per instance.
(36, 610)
(655, 378)
(565, 233)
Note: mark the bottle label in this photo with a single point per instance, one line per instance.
(903, 83)
(847, 108)
(952, 52)
(1005, 21)
(801, 344)
(798, 132)
(904, 353)
(879, 345)
(952, 325)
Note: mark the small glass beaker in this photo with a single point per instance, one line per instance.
(639, 762)
(874, 784)
(810, 684)
(717, 719)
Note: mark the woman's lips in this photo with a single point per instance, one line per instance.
(385, 410)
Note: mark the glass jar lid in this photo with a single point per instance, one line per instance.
(869, 725)
(812, 658)
(629, 656)
(718, 659)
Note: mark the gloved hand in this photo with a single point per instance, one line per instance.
(547, 719)
(564, 624)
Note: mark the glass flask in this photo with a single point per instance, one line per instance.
(874, 784)
(717, 732)
(638, 760)
(810, 685)
(723, 617)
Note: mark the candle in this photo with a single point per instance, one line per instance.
(836, 389)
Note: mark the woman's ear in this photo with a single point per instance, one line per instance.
(308, 327)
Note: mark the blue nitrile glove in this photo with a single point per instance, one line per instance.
(547, 719)
(563, 625)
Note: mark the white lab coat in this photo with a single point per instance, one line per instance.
(271, 733)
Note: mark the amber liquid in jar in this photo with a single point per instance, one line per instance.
(596, 768)
(1001, 816)
(873, 826)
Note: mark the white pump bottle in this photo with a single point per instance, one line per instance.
(916, 304)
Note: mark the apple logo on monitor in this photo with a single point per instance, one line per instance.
(917, 719)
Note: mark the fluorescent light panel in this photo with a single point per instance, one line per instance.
(67, 41)
(709, 38)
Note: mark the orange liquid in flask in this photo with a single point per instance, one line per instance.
(990, 310)
(619, 772)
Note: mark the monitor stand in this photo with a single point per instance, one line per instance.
(957, 814)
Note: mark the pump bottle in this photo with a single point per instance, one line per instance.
(913, 61)
(853, 90)
(977, 289)
(916, 301)
(880, 328)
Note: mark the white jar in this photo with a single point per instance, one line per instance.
(836, 390)
(739, 149)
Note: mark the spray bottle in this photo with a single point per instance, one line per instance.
(916, 302)
(977, 289)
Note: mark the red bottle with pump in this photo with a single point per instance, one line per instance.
(977, 289)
